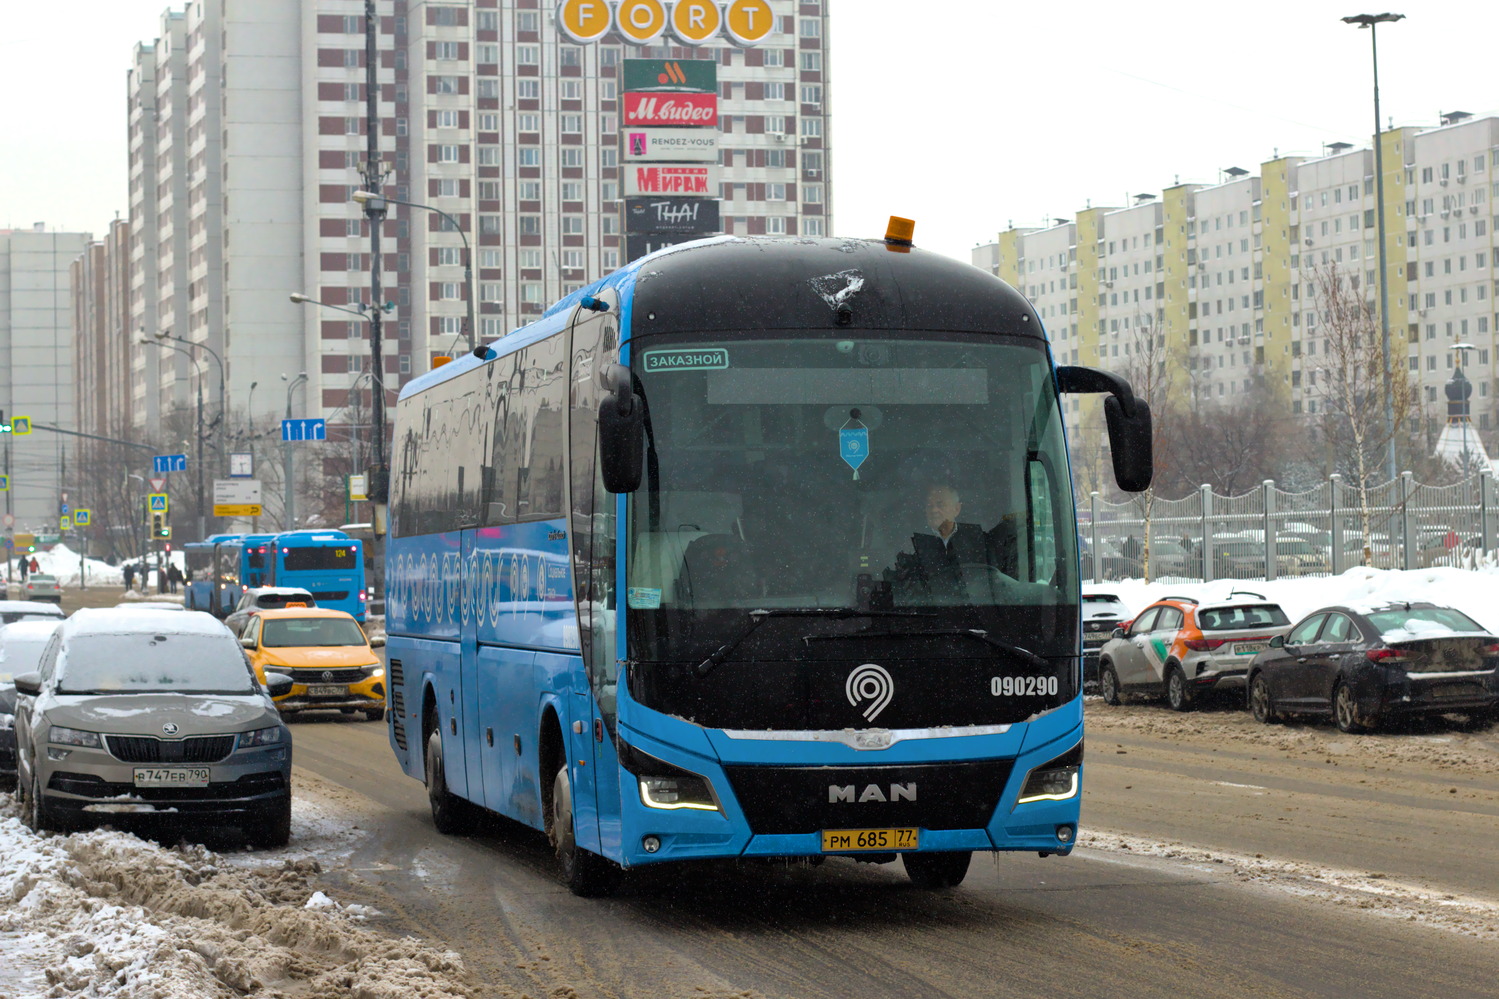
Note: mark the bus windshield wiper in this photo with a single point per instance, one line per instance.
(757, 617)
(979, 634)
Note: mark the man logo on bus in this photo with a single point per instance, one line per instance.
(872, 684)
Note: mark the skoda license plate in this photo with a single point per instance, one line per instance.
(844, 840)
(171, 776)
(327, 690)
(1250, 648)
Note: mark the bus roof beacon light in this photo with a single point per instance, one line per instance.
(900, 232)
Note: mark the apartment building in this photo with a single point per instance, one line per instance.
(248, 135)
(102, 351)
(1216, 286)
(36, 366)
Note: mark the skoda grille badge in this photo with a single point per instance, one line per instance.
(170, 728)
(871, 685)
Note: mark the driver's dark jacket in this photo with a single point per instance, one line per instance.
(938, 565)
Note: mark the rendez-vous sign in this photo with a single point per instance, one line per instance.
(671, 109)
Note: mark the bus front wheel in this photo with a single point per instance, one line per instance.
(938, 870)
(585, 873)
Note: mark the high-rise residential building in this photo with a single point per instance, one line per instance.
(1217, 285)
(248, 136)
(102, 334)
(36, 367)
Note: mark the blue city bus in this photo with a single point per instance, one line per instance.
(753, 548)
(326, 563)
(201, 561)
(241, 562)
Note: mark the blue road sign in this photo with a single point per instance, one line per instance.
(304, 430)
(82, 518)
(157, 502)
(164, 463)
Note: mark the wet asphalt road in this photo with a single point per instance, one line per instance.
(1096, 924)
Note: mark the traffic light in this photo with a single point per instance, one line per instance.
(159, 526)
(169, 544)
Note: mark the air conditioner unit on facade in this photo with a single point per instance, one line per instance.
(1446, 212)
(1444, 181)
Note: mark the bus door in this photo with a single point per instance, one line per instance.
(592, 537)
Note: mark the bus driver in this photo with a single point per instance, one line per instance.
(932, 568)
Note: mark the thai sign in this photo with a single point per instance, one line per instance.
(679, 145)
(671, 178)
(675, 215)
(671, 109)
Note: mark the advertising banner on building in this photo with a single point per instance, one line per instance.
(638, 244)
(676, 145)
(685, 179)
(672, 215)
(700, 75)
(700, 110)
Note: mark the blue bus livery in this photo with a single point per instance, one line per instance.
(326, 563)
(754, 548)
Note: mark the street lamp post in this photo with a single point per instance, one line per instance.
(367, 198)
(1369, 21)
(198, 457)
(290, 497)
(223, 390)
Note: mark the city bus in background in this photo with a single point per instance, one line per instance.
(201, 591)
(657, 580)
(240, 563)
(326, 563)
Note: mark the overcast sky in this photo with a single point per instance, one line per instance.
(965, 115)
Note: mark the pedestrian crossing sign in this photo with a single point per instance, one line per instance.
(20, 425)
(65, 522)
(4, 483)
(81, 518)
(157, 502)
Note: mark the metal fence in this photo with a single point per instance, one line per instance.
(1273, 534)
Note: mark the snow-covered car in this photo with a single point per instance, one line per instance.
(1102, 613)
(1182, 649)
(266, 598)
(12, 611)
(40, 586)
(1364, 665)
(150, 716)
(21, 646)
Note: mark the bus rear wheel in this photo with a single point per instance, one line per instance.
(585, 873)
(938, 870)
(450, 814)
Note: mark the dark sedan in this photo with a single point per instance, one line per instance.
(1366, 665)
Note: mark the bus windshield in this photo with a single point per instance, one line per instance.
(888, 489)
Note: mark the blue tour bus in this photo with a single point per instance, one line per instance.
(327, 563)
(662, 576)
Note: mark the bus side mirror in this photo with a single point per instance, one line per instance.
(1128, 419)
(621, 434)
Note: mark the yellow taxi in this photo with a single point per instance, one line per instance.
(331, 663)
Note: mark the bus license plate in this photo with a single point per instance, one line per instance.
(845, 840)
(171, 776)
(1250, 648)
(327, 690)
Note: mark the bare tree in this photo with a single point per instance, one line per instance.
(1350, 382)
(1231, 446)
(1151, 371)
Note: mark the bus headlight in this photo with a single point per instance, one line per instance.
(665, 786)
(1055, 780)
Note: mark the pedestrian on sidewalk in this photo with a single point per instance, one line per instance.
(129, 572)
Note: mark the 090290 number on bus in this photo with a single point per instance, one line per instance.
(1023, 686)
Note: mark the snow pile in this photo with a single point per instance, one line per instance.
(103, 913)
(1370, 892)
(63, 563)
(1474, 592)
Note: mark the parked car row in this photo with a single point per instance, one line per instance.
(139, 714)
(1362, 667)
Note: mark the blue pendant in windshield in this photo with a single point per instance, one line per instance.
(853, 442)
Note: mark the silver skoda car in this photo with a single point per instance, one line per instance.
(147, 714)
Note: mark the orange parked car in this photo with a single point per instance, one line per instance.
(1180, 648)
(331, 663)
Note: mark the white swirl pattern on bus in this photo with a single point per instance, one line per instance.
(427, 590)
